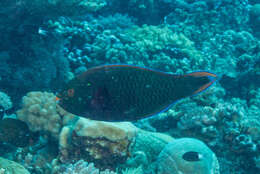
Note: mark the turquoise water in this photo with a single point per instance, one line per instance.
(46, 43)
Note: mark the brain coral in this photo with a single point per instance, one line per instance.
(39, 112)
(178, 158)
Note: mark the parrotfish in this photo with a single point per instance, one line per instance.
(128, 93)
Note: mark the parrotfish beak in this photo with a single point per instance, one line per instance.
(212, 79)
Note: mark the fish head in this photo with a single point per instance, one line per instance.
(75, 97)
(199, 81)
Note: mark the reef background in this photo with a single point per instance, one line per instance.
(44, 43)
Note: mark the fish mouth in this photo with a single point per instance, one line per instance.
(57, 99)
(211, 79)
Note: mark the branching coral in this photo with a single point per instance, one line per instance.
(138, 170)
(82, 167)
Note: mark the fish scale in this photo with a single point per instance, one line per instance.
(127, 93)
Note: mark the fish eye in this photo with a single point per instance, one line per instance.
(70, 92)
(192, 156)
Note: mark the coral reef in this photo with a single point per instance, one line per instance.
(152, 46)
(187, 155)
(37, 157)
(43, 40)
(201, 20)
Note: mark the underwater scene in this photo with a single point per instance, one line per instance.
(129, 86)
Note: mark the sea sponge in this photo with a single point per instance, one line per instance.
(39, 112)
(186, 156)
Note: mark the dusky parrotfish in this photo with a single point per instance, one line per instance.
(128, 93)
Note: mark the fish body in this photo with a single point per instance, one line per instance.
(128, 93)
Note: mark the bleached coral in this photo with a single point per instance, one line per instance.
(39, 112)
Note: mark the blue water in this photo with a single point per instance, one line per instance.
(44, 44)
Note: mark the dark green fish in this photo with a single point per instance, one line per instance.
(15, 132)
(128, 93)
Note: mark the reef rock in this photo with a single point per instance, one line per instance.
(186, 156)
(11, 167)
(104, 143)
